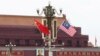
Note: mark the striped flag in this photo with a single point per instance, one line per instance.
(67, 28)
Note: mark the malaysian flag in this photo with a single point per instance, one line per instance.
(67, 28)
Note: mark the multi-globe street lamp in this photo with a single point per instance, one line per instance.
(10, 50)
(49, 13)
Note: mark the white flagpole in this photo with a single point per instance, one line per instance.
(95, 42)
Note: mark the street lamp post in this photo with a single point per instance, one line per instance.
(10, 46)
(49, 13)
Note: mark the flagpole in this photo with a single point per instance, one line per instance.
(49, 47)
(95, 42)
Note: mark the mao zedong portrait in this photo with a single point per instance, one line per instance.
(40, 53)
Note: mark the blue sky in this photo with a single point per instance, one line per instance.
(82, 13)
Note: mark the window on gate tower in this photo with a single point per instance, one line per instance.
(39, 42)
(85, 43)
(78, 44)
(17, 42)
(27, 42)
(7, 41)
(2, 42)
(59, 41)
(69, 43)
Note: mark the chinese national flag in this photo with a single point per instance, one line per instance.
(41, 27)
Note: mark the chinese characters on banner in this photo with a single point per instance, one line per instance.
(14, 53)
(77, 53)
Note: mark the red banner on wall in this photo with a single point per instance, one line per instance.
(14, 53)
(77, 53)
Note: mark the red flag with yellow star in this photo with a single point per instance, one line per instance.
(41, 27)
